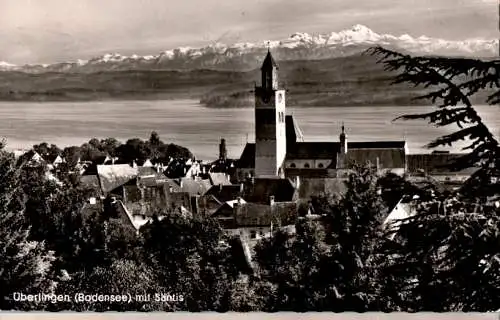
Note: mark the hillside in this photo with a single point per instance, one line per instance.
(344, 81)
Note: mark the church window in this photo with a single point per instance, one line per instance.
(253, 234)
(292, 165)
(306, 165)
(320, 165)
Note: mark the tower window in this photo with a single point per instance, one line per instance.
(306, 165)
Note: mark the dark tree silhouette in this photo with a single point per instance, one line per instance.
(453, 82)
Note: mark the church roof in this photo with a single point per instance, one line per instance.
(269, 61)
(391, 154)
(293, 132)
(388, 158)
(313, 150)
(377, 145)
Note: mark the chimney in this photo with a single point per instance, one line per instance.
(220, 187)
(170, 189)
(271, 200)
(378, 164)
(242, 187)
(181, 183)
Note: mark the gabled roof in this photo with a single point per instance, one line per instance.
(51, 158)
(114, 176)
(262, 189)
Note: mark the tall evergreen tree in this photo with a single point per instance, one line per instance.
(452, 82)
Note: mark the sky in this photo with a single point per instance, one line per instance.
(47, 31)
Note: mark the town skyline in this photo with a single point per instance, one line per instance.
(57, 31)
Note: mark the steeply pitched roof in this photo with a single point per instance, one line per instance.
(329, 150)
(388, 158)
(262, 189)
(247, 159)
(391, 153)
(114, 176)
(376, 145)
(312, 150)
(219, 178)
(269, 61)
(293, 132)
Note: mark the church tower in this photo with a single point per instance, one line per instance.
(342, 155)
(270, 127)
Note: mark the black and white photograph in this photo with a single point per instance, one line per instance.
(248, 156)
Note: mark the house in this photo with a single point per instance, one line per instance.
(254, 221)
(219, 178)
(113, 177)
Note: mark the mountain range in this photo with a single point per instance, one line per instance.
(246, 56)
(317, 70)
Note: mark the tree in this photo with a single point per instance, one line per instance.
(330, 266)
(122, 277)
(442, 258)
(110, 146)
(294, 265)
(72, 155)
(26, 266)
(188, 256)
(454, 82)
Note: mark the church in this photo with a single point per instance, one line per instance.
(280, 151)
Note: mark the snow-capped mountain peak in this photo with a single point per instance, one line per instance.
(299, 45)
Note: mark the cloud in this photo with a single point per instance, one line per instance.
(53, 30)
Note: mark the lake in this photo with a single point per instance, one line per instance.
(189, 124)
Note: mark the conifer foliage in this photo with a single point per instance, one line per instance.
(451, 83)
